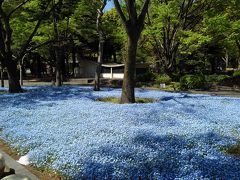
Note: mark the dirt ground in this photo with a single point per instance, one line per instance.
(42, 175)
(81, 82)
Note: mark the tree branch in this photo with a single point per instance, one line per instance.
(120, 12)
(131, 6)
(19, 6)
(144, 11)
(26, 45)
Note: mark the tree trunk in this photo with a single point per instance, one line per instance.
(133, 26)
(238, 46)
(2, 78)
(128, 95)
(13, 81)
(114, 56)
(63, 63)
(73, 60)
(99, 64)
(100, 46)
(58, 67)
(171, 67)
(38, 66)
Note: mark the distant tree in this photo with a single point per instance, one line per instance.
(133, 25)
(169, 21)
(222, 24)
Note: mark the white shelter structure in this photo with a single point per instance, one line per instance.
(113, 71)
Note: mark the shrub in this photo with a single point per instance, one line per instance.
(146, 77)
(175, 77)
(163, 79)
(236, 74)
(176, 86)
(215, 78)
(231, 81)
(192, 82)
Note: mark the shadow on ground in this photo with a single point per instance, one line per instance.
(163, 157)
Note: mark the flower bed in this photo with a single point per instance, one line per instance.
(179, 136)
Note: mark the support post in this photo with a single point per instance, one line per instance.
(111, 73)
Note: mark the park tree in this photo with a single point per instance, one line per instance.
(62, 38)
(9, 58)
(168, 21)
(101, 44)
(83, 29)
(222, 24)
(133, 25)
(116, 37)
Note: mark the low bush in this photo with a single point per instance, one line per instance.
(192, 82)
(146, 77)
(176, 86)
(215, 78)
(231, 81)
(236, 74)
(160, 79)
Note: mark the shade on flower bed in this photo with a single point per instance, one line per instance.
(179, 136)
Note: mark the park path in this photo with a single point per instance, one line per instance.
(19, 169)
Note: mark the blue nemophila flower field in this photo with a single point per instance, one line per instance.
(179, 136)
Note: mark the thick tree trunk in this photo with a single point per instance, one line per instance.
(171, 67)
(13, 81)
(128, 95)
(133, 26)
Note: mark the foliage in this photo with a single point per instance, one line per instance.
(231, 81)
(146, 77)
(215, 78)
(163, 78)
(236, 74)
(192, 82)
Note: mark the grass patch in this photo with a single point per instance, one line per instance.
(115, 100)
(233, 150)
(173, 86)
(3, 92)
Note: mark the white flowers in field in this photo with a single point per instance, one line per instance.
(179, 136)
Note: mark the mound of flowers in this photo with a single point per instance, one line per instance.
(178, 136)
